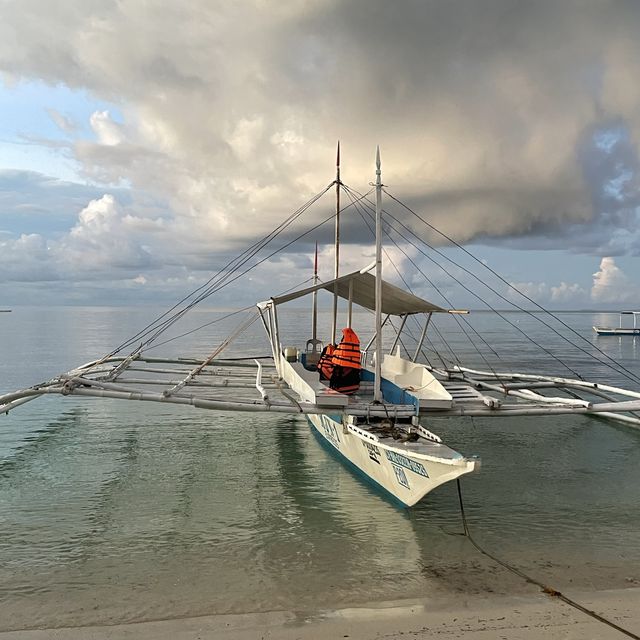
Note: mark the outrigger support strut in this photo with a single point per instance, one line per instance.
(216, 378)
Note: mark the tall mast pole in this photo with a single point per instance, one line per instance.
(336, 270)
(377, 394)
(314, 316)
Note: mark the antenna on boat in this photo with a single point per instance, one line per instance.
(336, 269)
(377, 395)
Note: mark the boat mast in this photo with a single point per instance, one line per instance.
(314, 311)
(377, 395)
(337, 250)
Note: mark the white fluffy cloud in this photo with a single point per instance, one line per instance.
(538, 291)
(563, 295)
(25, 258)
(611, 284)
(567, 293)
(105, 239)
(106, 236)
(107, 131)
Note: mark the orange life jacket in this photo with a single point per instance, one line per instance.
(325, 364)
(345, 376)
(345, 379)
(347, 353)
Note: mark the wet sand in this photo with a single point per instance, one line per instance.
(529, 617)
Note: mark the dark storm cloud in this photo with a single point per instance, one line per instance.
(488, 112)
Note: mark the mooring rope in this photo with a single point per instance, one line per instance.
(550, 591)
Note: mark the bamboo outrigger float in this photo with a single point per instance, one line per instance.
(378, 429)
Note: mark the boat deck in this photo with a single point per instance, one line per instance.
(426, 445)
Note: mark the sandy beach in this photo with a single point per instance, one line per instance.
(531, 617)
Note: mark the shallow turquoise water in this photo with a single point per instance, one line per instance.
(113, 511)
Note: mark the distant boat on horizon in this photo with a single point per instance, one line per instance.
(5, 310)
(621, 330)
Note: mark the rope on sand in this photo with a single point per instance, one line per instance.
(550, 591)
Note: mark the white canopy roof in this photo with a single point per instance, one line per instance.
(395, 301)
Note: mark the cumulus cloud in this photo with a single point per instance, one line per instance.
(565, 292)
(107, 131)
(563, 295)
(537, 291)
(104, 240)
(33, 202)
(611, 284)
(104, 236)
(25, 259)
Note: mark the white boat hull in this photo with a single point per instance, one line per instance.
(407, 476)
(617, 331)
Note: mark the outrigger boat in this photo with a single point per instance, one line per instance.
(378, 429)
(621, 330)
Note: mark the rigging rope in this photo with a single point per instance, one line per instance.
(224, 279)
(202, 326)
(229, 273)
(550, 591)
(629, 374)
(210, 285)
(487, 363)
(225, 317)
(458, 321)
(618, 368)
(515, 326)
(475, 295)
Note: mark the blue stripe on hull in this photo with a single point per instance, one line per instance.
(354, 468)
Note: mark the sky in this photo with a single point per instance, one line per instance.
(143, 145)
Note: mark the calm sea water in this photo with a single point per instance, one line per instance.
(113, 511)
